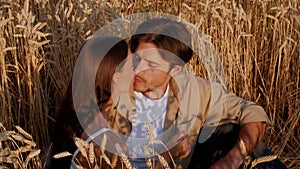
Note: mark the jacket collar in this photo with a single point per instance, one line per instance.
(121, 116)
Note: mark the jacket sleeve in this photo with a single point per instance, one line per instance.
(245, 111)
(226, 107)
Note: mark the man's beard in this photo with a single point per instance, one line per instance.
(139, 84)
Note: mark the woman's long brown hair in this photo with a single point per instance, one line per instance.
(67, 123)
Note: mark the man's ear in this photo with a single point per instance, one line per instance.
(176, 69)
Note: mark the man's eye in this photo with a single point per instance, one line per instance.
(136, 58)
(153, 64)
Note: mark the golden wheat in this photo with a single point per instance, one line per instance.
(254, 162)
(17, 151)
(124, 158)
(81, 145)
(262, 160)
(162, 160)
(91, 153)
(114, 161)
(147, 157)
(257, 41)
(62, 155)
(147, 151)
(23, 132)
(244, 153)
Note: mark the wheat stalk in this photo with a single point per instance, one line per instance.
(20, 152)
(124, 158)
(156, 141)
(62, 154)
(81, 144)
(163, 161)
(262, 67)
(147, 154)
(149, 131)
(8, 160)
(91, 153)
(32, 154)
(103, 143)
(244, 154)
(102, 148)
(262, 160)
(247, 159)
(106, 159)
(114, 161)
(24, 132)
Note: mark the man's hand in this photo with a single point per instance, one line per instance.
(251, 134)
(232, 160)
(182, 146)
(181, 149)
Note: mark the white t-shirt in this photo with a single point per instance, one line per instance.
(147, 111)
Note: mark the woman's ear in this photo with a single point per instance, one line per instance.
(115, 78)
(176, 69)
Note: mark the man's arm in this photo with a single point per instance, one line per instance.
(251, 134)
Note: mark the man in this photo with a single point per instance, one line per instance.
(154, 45)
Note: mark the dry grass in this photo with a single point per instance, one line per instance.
(18, 150)
(257, 41)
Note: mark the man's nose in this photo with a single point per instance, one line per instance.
(140, 66)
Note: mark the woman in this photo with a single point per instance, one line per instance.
(109, 53)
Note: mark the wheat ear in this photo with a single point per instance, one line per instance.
(148, 160)
(124, 158)
(157, 141)
(243, 150)
(263, 159)
(80, 144)
(114, 161)
(92, 153)
(62, 154)
(102, 147)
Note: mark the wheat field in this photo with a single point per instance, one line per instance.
(257, 41)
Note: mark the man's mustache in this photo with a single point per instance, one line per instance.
(139, 78)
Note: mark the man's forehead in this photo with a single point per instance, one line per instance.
(149, 54)
(144, 45)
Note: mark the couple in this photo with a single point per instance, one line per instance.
(179, 107)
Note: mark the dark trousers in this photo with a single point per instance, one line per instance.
(220, 143)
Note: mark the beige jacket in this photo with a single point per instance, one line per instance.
(193, 103)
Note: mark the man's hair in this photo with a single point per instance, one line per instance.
(165, 34)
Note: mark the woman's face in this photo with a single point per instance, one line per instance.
(123, 78)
